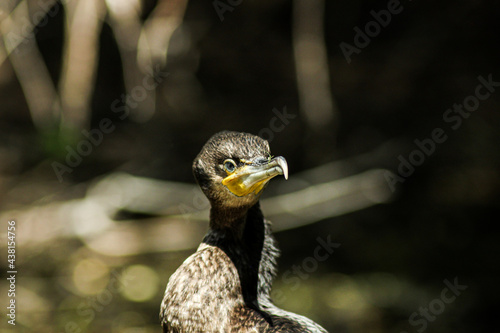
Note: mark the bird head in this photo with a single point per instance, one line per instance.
(233, 168)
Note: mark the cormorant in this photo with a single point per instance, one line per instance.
(225, 285)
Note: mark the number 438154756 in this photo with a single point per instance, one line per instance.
(11, 236)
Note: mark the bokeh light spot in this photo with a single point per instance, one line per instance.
(142, 283)
(90, 276)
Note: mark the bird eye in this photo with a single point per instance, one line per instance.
(229, 165)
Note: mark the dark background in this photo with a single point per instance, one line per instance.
(439, 224)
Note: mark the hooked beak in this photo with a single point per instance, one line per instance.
(253, 176)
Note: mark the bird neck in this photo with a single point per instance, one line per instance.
(242, 229)
(241, 236)
(232, 221)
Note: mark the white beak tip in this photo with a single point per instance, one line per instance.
(283, 165)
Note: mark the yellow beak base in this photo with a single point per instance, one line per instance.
(252, 178)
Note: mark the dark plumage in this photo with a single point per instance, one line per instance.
(225, 285)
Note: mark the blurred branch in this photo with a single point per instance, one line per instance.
(124, 19)
(30, 68)
(143, 48)
(327, 200)
(157, 31)
(185, 231)
(316, 100)
(83, 25)
(18, 26)
(181, 212)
